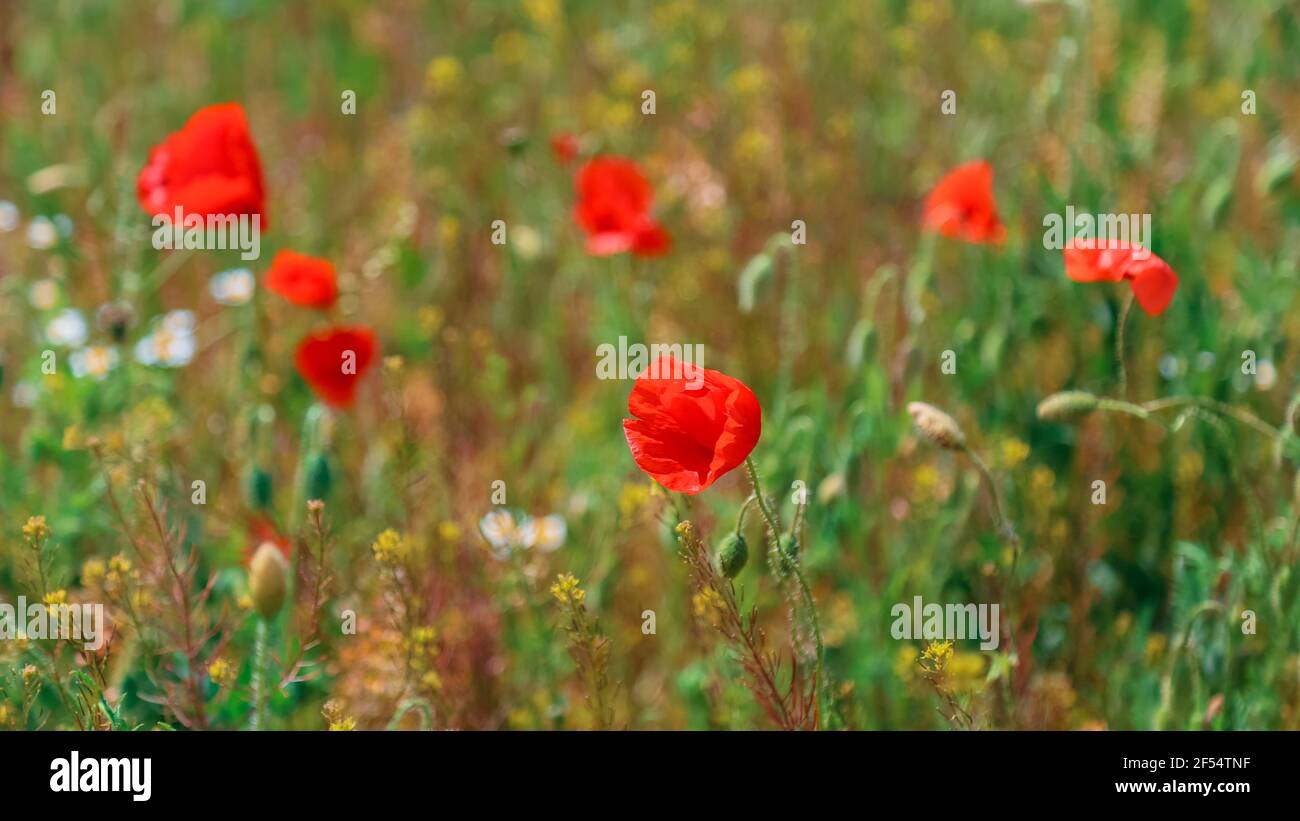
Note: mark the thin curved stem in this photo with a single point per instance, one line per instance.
(1242, 415)
(999, 511)
(740, 517)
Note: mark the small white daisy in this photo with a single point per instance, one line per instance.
(8, 216)
(178, 322)
(546, 533)
(44, 294)
(165, 349)
(67, 328)
(232, 287)
(171, 345)
(95, 361)
(499, 528)
(41, 234)
(24, 394)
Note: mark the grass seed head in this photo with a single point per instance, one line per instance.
(937, 426)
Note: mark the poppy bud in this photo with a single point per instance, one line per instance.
(267, 580)
(732, 555)
(937, 426)
(1066, 405)
(319, 476)
(258, 486)
(115, 318)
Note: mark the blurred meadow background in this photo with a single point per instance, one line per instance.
(1126, 614)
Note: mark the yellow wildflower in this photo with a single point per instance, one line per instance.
(1014, 452)
(510, 48)
(566, 589)
(221, 672)
(708, 606)
(36, 530)
(444, 74)
(389, 547)
(449, 531)
(936, 655)
(92, 572)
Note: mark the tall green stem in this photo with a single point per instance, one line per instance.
(1121, 344)
(259, 670)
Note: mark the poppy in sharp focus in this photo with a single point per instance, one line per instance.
(961, 206)
(614, 209)
(333, 362)
(209, 167)
(303, 280)
(1152, 280)
(692, 424)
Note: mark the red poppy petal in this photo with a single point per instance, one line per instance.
(652, 241)
(209, 167)
(961, 205)
(1154, 284)
(675, 462)
(323, 361)
(302, 280)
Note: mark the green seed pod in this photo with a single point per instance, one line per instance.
(258, 486)
(732, 555)
(319, 476)
(1066, 405)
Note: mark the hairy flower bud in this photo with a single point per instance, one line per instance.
(732, 555)
(258, 485)
(268, 580)
(937, 426)
(319, 476)
(1066, 405)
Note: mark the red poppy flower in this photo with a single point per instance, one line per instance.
(614, 201)
(1152, 280)
(961, 205)
(209, 167)
(689, 431)
(564, 147)
(260, 531)
(303, 280)
(333, 361)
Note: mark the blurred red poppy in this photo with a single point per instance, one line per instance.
(303, 280)
(690, 431)
(961, 205)
(333, 361)
(1152, 280)
(564, 147)
(614, 202)
(209, 167)
(260, 531)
